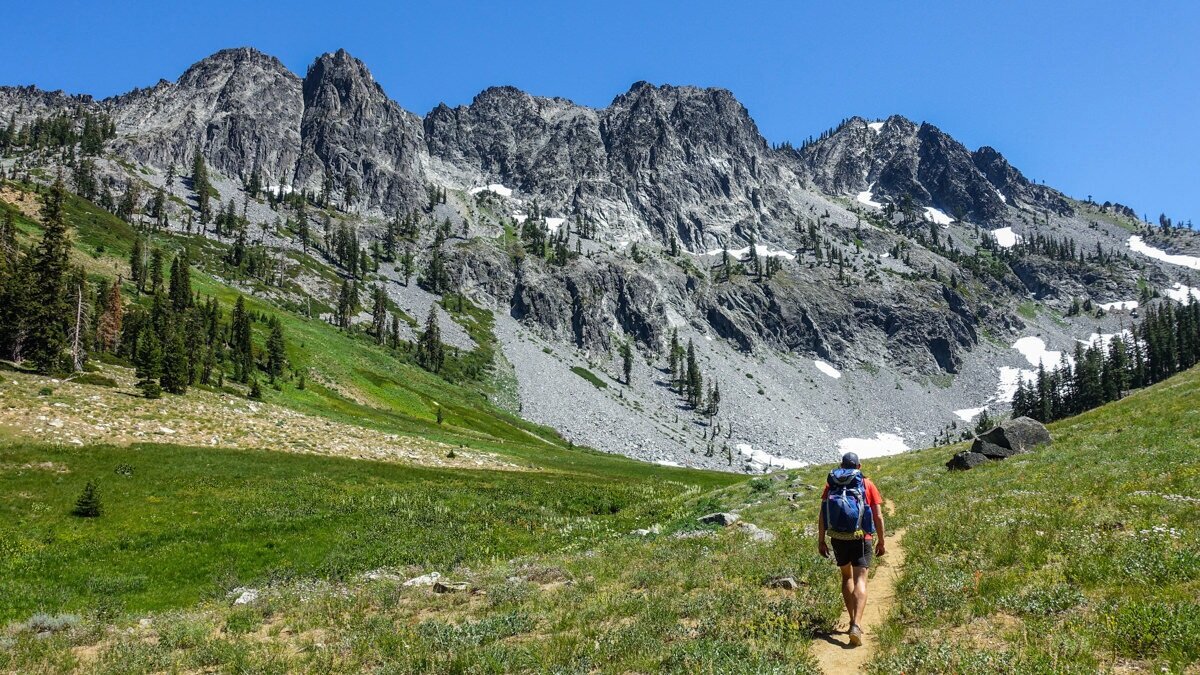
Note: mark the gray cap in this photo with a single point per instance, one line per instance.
(849, 460)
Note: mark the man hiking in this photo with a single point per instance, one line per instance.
(852, 516)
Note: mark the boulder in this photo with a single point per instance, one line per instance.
(966, 460)
(991, 450)
(786, 583)
(756, 533)
(450, 587)
(424, 580)
(1021, 434)
(722, 519)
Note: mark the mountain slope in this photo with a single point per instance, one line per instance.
(904, 263)
(1079, 557)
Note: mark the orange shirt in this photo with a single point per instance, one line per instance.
(874, 499)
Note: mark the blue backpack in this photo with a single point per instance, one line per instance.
(847, 514)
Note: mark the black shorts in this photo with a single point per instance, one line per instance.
(856, 552)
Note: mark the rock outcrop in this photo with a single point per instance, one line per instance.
(1011, 437)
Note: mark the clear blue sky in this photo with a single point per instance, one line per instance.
(1094, 97)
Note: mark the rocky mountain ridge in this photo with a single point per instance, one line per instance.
(886, 251)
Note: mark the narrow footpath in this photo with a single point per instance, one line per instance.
(833, 650)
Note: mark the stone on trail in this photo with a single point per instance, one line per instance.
(966, 460)
(722, 519)
(1022, 434)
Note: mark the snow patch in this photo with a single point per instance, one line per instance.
(1119, 306)
(1006, 238)
(766, 460)
(880, 446)
(279, 190)
(520, 217)
(1137, 245)
(937, 216)
(1104, 339)
(1001, 196)
(667, 462)
(875, 126)
(763, 252)
(1035, 352)
(495, 188)
(968, 414)
(827, 369)
(1009, 378)
(1181, 293)
(864, 197)
(553, 224)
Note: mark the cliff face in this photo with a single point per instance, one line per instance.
(661, 166)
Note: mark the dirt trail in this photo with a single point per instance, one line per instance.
(833, 650)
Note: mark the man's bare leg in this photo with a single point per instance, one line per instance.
(849, 594)
(860, 593)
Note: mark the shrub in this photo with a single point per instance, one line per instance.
(45, 391)
(150, 389)
(95, 380)
(124, 469)
(255, 391)
(88, 505)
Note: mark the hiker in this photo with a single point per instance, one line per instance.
(852, 516)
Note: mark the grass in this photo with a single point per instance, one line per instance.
(589, 376)
(1078, 557)
(1028, 310)
(189, 523)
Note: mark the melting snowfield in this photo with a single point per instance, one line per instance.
(766, 461)
(875, 126)
(1181, 293)
(553, 224)
(937, 216)
(761, 250)
(496, 188)
(1005, 237)
(1137, 245)
(880, 446)
(968, 414)
(1035, 352)
(827, 369)
(1122, 306)
(864, 197)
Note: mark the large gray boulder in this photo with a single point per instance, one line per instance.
(991, 450)
(1019, 435)
(966, 460)
(722, 519)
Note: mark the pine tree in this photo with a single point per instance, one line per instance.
(276, 350)
(345, 306)
(155, 272)
(626, 360)
(201, 186)
(175, 368)
(51, 304)
(379, 315)
(149, 357)
(180, 291)
(108, 329)
(695, 381)
(88, 504)
(429, 352)
(243, 349)
(137, 265)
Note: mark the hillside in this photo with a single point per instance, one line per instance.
(1078, 557)
(879, 265)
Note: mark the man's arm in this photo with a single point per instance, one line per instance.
(877, 516)
(822, 547)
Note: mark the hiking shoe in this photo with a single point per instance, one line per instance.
(855, 636)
